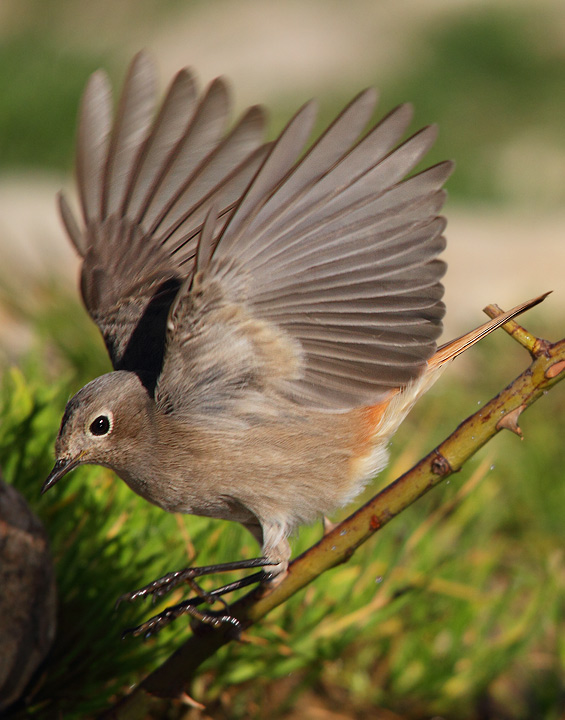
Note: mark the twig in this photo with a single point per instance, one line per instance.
(174, 676)
(534, 345)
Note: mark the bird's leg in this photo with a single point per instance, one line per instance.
(189, 607)
(276, 556)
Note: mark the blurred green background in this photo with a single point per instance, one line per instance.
(457, 608)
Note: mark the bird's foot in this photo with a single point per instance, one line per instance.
(163, 585)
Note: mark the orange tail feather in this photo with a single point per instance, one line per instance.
(452, 349)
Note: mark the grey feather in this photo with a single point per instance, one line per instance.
(129, 132)
(145, 187)
(71, 225)
(301, 248)
(169, 126)
(205, 239)
(92, 143)
(203, 132)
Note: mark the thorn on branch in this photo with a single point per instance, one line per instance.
(191, 702)
(510, 421)
(328, 525)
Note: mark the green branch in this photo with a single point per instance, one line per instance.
(175, 675)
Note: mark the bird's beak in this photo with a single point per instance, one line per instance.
(61, 467)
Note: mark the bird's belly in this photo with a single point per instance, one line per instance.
(181, 494)
(295, 470)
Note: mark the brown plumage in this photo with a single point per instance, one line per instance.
(271, 315)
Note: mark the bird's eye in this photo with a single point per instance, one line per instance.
(101, 425)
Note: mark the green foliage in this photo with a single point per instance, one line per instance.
(452, 606)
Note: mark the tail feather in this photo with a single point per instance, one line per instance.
(452, 349)
(378, 423)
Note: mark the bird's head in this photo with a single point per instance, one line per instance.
(102, 425)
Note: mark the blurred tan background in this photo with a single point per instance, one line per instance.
(491, 73)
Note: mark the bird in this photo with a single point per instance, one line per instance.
(271, 309)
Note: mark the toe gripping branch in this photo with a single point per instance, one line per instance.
(165, 584)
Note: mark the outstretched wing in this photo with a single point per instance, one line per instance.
(146, 181)
(324, 285)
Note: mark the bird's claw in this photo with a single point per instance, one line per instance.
(162, 619)
(156, 589)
